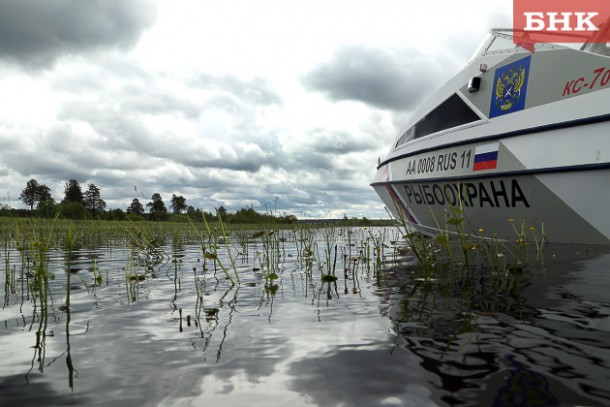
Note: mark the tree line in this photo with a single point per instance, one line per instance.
(88, 204)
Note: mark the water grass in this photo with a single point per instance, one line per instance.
(452, 248)
(147, 245)
(152, 247)
(70, 241)
(328, 263)
(210, 247)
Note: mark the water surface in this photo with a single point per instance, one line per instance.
(384, 333)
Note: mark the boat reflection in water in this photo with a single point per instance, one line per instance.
(536, 336)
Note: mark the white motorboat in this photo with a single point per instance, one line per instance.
(518, 140)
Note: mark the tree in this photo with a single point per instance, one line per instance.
(46, 204)
(247, 215)
(112, 214)
(178, 204)
(46, 207)
(44, 193)
(222, 212)
(92, 199)
(157, 208)
(136, 207)
(73, 192)
(29, 195)
(34, 193)
(73, 210)
(192, 212)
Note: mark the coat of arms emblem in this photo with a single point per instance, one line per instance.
(510, 87)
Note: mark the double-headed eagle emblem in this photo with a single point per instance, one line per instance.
(508, 87)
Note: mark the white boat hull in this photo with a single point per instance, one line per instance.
(508, 207)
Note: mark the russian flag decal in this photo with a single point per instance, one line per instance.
(486, 157)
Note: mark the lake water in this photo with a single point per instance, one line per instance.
(385, 333)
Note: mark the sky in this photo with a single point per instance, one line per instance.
(278, 105)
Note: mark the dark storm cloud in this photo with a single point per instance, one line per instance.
(257, 90)
(385, 78)
(33, 164)
(35, 33)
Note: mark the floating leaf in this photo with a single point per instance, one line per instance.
(328, 278)
(210, 256)
(211, 311)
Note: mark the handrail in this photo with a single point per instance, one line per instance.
(529, 32)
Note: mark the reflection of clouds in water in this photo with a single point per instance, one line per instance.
(39, 392)
(306, 364)
(361, 377)
(237, 391)
(258, 365)
(304, 348)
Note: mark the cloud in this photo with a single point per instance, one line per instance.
(337, 142)
(257, 90)
(36, 33)
(156, 102)
(212, 139)
(353, 386)
(388, 78)
(213, 123)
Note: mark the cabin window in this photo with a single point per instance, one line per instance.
(452, 112)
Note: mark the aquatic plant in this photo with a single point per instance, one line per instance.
(97, 275)
(209, 247)
(147, 242)
(70, 240)
(453, 248)
(10, 278)
(422, 246)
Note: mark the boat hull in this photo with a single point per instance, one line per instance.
(506, 207)
(554, 181)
